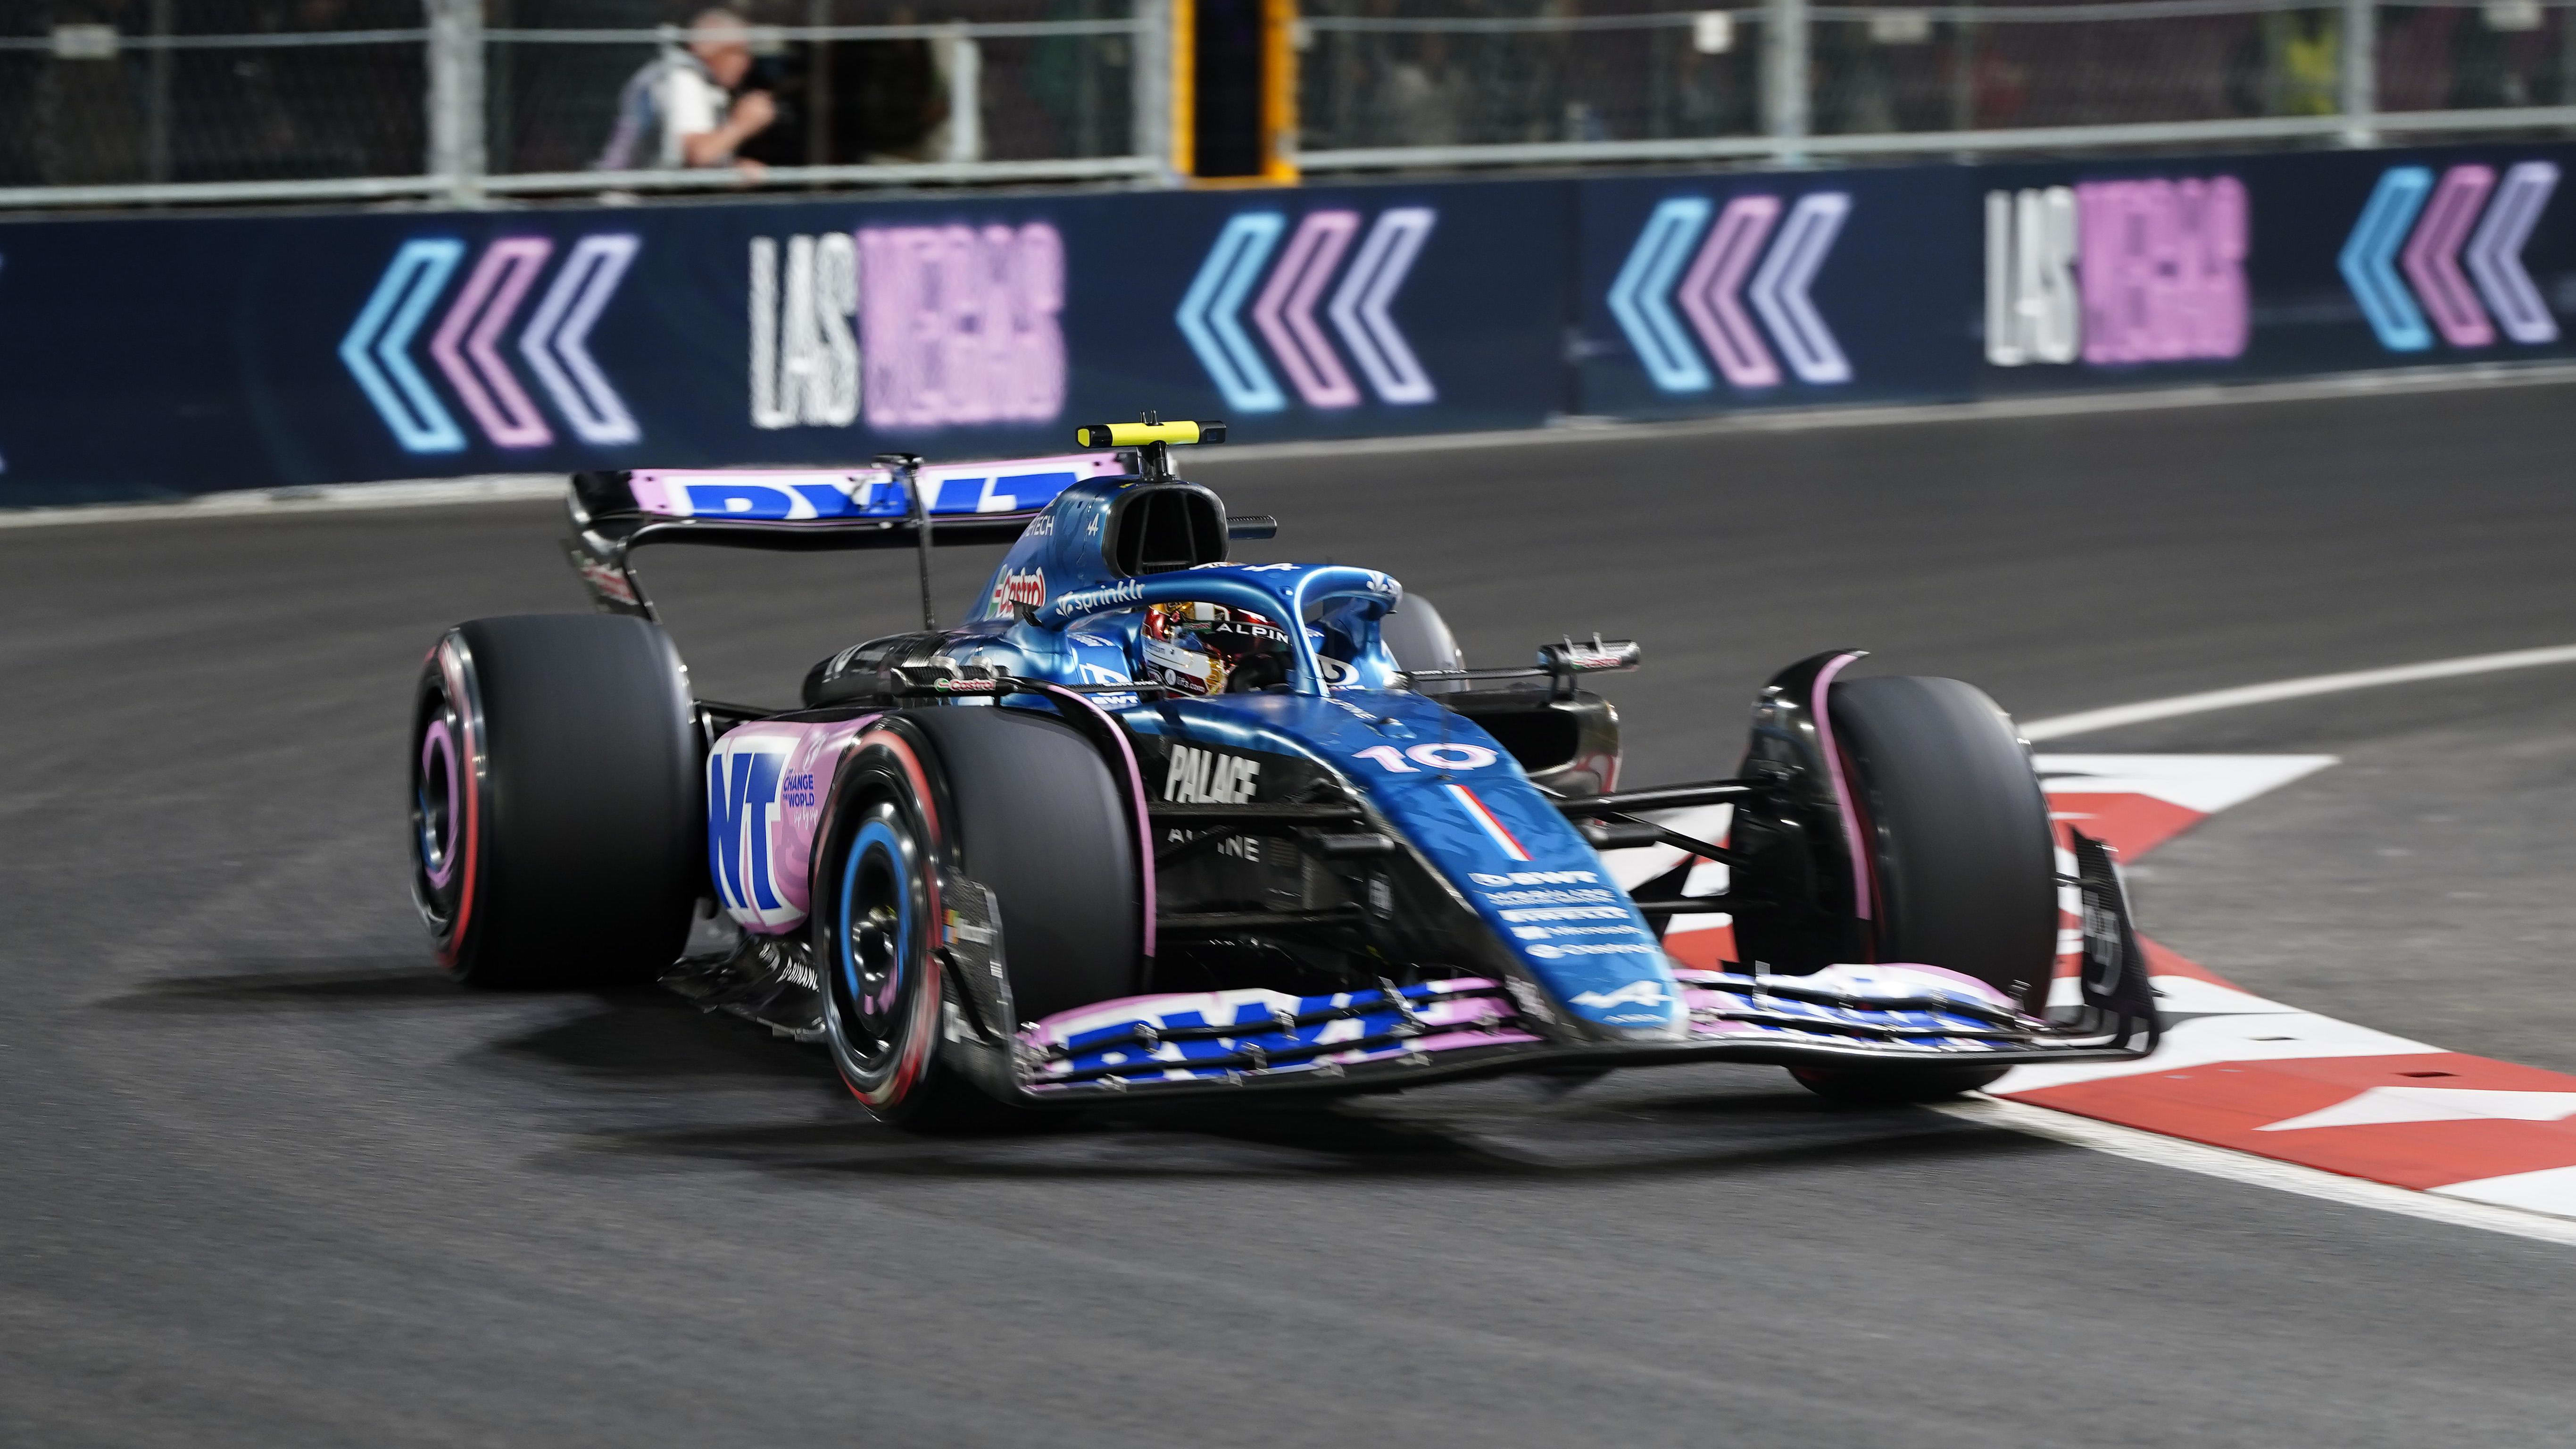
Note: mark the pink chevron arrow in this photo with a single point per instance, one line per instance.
(1286, 312)
(2433, 256)
(1709, 294)
(502, 278)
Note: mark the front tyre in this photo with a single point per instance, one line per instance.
(877, 929)
(1962, 860)
(875, 945)
(1009, 798)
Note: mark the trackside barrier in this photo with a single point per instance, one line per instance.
(170, 356)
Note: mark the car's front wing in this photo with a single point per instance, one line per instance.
(1222, 1042)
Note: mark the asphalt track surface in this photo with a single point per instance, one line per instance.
(266, 1178)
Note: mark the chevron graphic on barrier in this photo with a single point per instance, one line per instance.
(1713, 294)
(1359, 309)
(2432, 229)
(1779, 290)
(466, 346)
(1207, 314)
(2432, 256)
(502, 279)
(557, 342)
(1637, 295)
(1717, 276)
(2494, 255)
(1211, 310)
(376, 350)
(1286, 312)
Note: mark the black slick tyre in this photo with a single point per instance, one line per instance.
(558, 823)
(1021, 804)
(1962, 860)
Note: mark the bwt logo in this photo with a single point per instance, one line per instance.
(953, 325)
(1210, 313)
(1713, 292)
(466, 346)
(2117, 272)
(2439, 243)
(742, 809)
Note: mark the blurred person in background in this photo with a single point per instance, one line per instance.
(684, 104)
(1424, 98)
(86, 121)
(2289, 65)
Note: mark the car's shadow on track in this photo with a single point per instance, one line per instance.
(631, 1037)
(647, 1037)
(641, 1045)
(350, 983)
(1495, 1130)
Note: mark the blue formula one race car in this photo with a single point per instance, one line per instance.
(1153, 824)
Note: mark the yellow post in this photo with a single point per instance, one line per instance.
(1278, 90)
(1185, 95)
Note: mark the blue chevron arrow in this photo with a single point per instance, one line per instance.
(1639, 297)
(2368, 255)
(1208, 312)
(404, 294)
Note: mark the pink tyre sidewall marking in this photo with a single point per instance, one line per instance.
(437, 744)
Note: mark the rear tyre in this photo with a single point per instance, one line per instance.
(1019, 803)
(1963, 863)
(557, 819)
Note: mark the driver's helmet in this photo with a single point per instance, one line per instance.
(1213, 649)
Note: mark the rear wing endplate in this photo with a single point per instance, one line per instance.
(898, 502)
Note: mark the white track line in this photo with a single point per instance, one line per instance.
(2163, 1151)
(512, 487)
(2091, 720)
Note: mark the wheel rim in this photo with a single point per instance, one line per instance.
(437, 814)
(873, 972)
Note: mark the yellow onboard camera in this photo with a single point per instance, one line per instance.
(1137, 435)
(1152, 439)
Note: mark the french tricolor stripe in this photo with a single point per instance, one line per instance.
(1477, 812)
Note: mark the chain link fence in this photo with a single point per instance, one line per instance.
(139, 92)
(107, 102)
(1435, 83)
(1022, 81)
(1376, 81)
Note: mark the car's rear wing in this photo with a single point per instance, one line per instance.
(896, 502)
